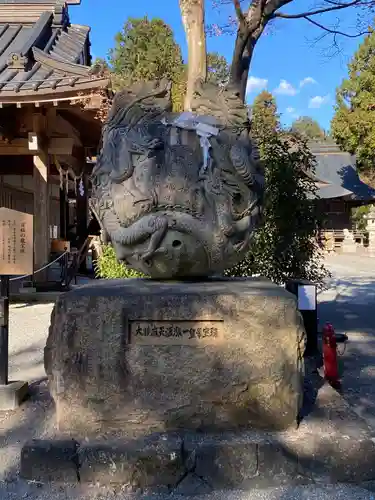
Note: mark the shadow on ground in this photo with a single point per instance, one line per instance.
(353, 309)
(353, 312)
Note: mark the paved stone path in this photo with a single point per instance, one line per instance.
(348, 302)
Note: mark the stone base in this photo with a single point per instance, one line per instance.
(50, 461)
(332, 442)
(127, 358)
(12, 395)
(349, 247)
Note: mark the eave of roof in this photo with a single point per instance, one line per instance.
(337, 170)
(44, 58)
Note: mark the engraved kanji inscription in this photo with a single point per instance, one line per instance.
(199, 332)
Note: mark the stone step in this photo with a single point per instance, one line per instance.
(331, 442)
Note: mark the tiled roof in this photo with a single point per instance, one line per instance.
(46, 56)
(337, 175)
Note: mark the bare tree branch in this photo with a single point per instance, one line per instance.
(237, 8)
(252, 23)
(336, 32)
(273, 5)
(323, 10)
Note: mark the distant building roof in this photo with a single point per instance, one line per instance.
(41, 53)
(336, 174)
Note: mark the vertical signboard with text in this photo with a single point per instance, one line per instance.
(16, 243)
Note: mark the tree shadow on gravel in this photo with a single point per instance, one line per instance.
(353, 310)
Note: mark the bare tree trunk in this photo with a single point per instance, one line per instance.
(192, 13)
(240, 68)
(250, 27)
(242, 57)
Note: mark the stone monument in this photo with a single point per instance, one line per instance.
(178, 197)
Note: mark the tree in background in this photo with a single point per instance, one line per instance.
(308, 128)
(145, 50)
(286, 244)
(100, 66)
(265, 119)
(359, 216)
(218, 69)
(353, 125)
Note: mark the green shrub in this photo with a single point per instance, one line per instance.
(108, 267)
(286, 244)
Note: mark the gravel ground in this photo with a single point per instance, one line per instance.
(19, 491)
(348, 303)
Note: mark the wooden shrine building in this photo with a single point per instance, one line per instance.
(339, 190)
(49, 100)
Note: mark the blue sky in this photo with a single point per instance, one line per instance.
(302, 73)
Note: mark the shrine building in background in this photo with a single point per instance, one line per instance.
(49, 127)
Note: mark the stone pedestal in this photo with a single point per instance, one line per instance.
(348, 245)
(12, 395)
(130, 357)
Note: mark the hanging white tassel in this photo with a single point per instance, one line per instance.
(81, 187)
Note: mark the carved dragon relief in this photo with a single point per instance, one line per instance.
(178, 195)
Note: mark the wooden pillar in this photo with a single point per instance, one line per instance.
(41, 214)
(82, 208)
(41, 197)
(64, 213)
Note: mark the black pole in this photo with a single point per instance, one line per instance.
(66, 269)
(4, 329)
(310, 319)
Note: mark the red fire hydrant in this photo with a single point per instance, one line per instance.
(331, 370)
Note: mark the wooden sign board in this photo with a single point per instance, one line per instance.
(16, 243)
